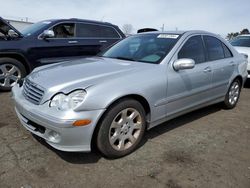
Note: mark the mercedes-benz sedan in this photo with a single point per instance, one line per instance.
(109, 101)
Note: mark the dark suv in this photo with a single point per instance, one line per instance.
(48, 42)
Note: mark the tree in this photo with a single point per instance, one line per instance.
(244, 31)
(232, 35)
(127, 29)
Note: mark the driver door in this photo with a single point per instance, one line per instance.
(59, 48)
(189, 87)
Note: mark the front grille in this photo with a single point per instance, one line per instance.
(32, 92)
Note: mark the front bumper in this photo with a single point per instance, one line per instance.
(55, 127)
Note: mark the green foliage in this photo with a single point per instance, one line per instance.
(231, 35)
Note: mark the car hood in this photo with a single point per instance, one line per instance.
(5, 27)
(81, 73)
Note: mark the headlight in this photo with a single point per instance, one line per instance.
(68, 102)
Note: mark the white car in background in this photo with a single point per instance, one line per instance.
(242, 44)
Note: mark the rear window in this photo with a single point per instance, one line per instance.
(243, 41)
(95, 31)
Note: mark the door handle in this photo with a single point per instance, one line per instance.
(73, 41)
(102, 41)
(207, 69)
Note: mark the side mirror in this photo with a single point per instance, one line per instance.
(12, 33)
(48, 34)
(184, 63)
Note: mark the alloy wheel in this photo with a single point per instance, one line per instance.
(125, 129)
(234, 93)
(9, 75)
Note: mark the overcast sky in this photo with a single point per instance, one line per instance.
(218, 16)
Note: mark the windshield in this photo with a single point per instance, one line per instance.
(149, 48)
(34, 28)
(241, 41)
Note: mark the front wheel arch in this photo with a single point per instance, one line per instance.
(18, 57)
(136, 97)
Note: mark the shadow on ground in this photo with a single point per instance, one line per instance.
(94, 156)
(73, 157)
(247, 84)
(182, 120)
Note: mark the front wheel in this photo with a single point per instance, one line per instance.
(233, 94)
(11, 70)
(121, 129)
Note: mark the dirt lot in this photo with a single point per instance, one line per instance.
(206, 148)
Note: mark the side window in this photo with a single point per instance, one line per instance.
(95, 31)
(227, 52)
(87, 30)
(109, 32)
(214, 48)
(64, 30)
(193, 49)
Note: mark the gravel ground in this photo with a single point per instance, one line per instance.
(206, 148)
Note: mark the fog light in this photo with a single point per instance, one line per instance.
(54, 136)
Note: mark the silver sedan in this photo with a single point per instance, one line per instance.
(109, 101)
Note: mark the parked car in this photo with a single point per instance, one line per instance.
(140, 82)
(242, 44)
(143, 30)
(49, 42)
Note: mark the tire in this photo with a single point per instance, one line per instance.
(11, 70)
(121, 129)
(232, 95)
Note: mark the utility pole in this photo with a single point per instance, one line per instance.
(102, 18)
(162, 28)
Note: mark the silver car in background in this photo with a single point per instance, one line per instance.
(144, 80)
(242, 44)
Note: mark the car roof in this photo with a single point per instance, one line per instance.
(79, 20)
(179, 32)
(244, 35)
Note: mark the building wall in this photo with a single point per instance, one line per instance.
(19, 25)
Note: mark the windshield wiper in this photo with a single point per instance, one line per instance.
(124, 58)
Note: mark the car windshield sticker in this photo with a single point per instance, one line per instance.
(167, 36)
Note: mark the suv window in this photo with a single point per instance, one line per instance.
(193, 49)
(95, 31)
(64, 30)
(214, 48)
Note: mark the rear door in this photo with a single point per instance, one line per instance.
(94, 38)
(222, 63)
(191, 87)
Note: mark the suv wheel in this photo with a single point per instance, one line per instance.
(233, 94)
(121, 129)
(11, 70)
